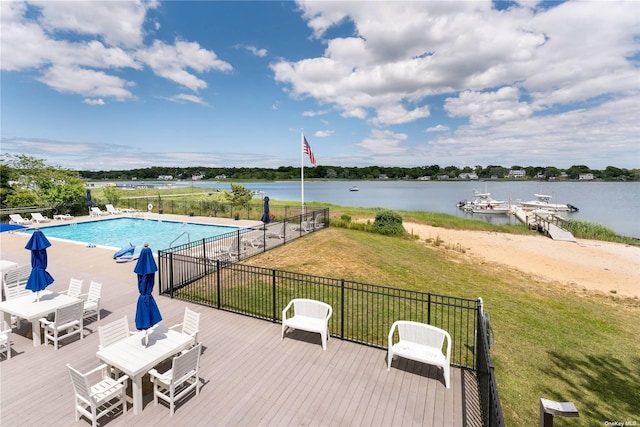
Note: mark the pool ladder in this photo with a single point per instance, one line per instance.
(181, 234)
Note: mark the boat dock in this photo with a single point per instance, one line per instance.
(546, 222)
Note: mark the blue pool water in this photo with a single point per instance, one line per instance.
(119, 232)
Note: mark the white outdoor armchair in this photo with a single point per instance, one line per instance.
(92, 303)
(75, 288)
(98, 399)
(190, 324)
(180, 380)
(66, 323)
(422, 343)
(15, 282)
(308, 315)
(5, 342)
(113, 332)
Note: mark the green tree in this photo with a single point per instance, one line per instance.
(112, 194)
(239, 195)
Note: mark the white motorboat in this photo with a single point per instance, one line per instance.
(483, 202)
(354, 188)
(543, 202)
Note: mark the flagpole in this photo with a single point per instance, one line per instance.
(302, 167)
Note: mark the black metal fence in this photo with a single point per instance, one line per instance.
(488, 389)
(362, 313)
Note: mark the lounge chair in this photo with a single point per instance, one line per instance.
(38, 217)
(133, 256)
(277, 232)
(64, 217)
(113, 211)
(96, 211)
(17, 219)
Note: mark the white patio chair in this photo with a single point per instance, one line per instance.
(111, 210)
(18, 219)
(422, 343)
(75, 288)
(177, 382)
(5, 343)
(15, 282)
(92, 303)
(190, 324)
(96, 211)
(38, 217)
(277, 230)
(308, 315)
(67, 322)
(113, 332)
(96, 400)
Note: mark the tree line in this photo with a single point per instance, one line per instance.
(610, 173)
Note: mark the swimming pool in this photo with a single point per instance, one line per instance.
(119, 232)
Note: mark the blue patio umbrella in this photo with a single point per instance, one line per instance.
(147, 312)
(265, 215)
(39, 278)
(89, 201)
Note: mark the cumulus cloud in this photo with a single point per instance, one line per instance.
(89, 101)
(82, 47)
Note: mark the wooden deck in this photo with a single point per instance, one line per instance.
(249, 375)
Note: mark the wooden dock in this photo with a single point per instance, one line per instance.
(548, 223)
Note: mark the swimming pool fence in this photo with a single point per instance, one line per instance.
(362, 313)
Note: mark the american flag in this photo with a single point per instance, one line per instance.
(306, 149)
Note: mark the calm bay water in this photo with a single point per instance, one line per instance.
(613, 204)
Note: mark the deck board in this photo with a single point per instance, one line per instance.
(249, 375)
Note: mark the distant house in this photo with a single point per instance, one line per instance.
(165, 177)
(221, 177)
(517, 173)
(443, 177)
(585, 177)
(468, 175)
(383, 176)
(424, 178)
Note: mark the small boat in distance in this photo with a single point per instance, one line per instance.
(354, 188)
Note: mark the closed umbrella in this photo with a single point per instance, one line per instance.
(147, 312)
(89, 201)
(265, 215)
(39, 278)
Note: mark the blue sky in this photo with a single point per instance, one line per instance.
(129, 84)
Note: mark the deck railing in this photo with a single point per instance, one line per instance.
(487, 387)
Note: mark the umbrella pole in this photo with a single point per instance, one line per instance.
(146, 337)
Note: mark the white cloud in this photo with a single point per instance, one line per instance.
(383, 142)
(171, 62)
(184, 97)
(86, 82)
(324, 133)
(254, 50)
(438, 128)
(98, 101)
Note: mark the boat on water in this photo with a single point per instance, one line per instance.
(354, 188)
(485, 204)
(543, 201)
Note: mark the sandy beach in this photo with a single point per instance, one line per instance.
(610, 268)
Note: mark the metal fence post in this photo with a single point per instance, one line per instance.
(273, 292)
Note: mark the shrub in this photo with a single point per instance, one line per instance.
(389, 223)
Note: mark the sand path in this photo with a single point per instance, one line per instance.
(590, 264)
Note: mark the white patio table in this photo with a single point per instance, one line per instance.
(27, 307)
(134, 358)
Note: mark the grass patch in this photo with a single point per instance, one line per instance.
(551, 341)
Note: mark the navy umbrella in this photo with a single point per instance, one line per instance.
(265, 215)
(89, 201)
(39, 279)
(147, 312)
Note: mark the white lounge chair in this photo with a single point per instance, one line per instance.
(64, 217)
(98, 399)
(92, 303)
(180, 380)
(67, 322)
(422, 343)
(17, 219)
(308, 315)
(96, 211)
(277, 231)
(5, 342)
(38, 217)
(190, 324)
(111, 210)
